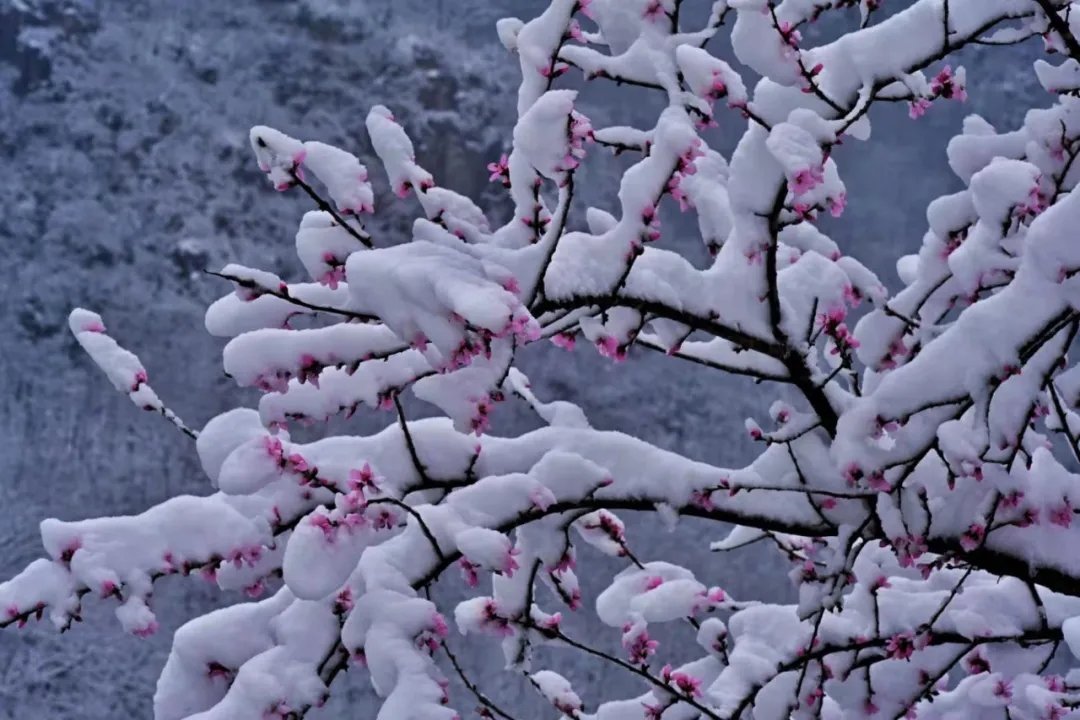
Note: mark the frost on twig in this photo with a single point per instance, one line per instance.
(123, 368)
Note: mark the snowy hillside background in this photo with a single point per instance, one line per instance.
(125, 170)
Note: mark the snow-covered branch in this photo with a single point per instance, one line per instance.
(912, 481)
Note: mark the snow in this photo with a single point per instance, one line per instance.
(913, 487)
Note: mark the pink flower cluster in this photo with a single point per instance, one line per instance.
(336, 272)
(402, 190)
(357, 207)
(494, 623)
(944, 85)
(293, 167)
(565, 340)
(609, 525)
(469, 571)
(1037, 202)
(638, 645)
(580, 131)
(832, 325)
(685, 683)
(686, 166)
(500, 170)
(480, 421)
(520, 326)
(363, 486)
(431, 637)
(610, 347)
(806, 180)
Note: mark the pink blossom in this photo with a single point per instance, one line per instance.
(687, 684)
(492, 622)
(509, 564)
(541, 499)
(1030, 517)
(343, 602)
(654, 10)
(566, 562)
(69, 550)
(853, 473)
(806, 180)
(574, 31)
(789, 34)
(976, 664)
(469, 572)
(946, 85)
(837, 204)
(140, 378)
(278, 710)
(215, 670)
(876, 481)
(674, 188)
(709, 598)
(480, 420)
(333, 277)
(565, 340)
(1011, 499)
(909, 549)
(384, 519)
(653, 582)
(1061, 515)
(718, 89)
(918, 107)
(13, 612)
(553, 71)
(639, 647)
(702, 499)
(364, 480)
(353, 520)
(574, 602)
(973, 537)
(609, 525)
(146, 630)
(609, 347)
(902, 646)
(438, 624)
(297, 463)
(1054, 711)
(653, 712)
(324, 523)
(310, 367)
(500, 170)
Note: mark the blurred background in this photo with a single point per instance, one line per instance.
(125, 171)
